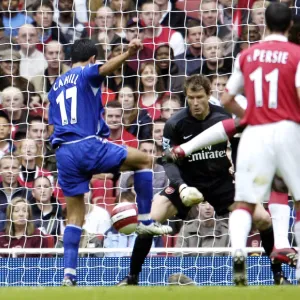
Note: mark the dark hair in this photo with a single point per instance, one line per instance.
(160, 120)
(4, 115)
(196, 83)
(113, 104)
(40, 3)
(171, 51)
(278, 17)
(82, 50)
(294, 33)
(141, 142)
(216, 76)
(37, 119)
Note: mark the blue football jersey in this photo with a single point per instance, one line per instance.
(76, 106)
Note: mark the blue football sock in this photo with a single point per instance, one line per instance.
(72, 237)
(144, 193)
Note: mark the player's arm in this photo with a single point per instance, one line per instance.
(114, 63)
(297, 81)
(216, 134)
(188, 195)
(171, 168)
(233, 87)
(50, 129)
(50, 119)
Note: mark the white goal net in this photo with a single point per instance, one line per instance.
(180, 38)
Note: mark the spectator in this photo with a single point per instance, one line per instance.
(9, 186)
(104, 32)
(48, 30)
(114, 239)
(170, 105)
(250, 36)
(97, 219)
(151, 87)
(10, 75)
(6, 144)
(14, 106)
(203, 230)
(191, 59)
(172, 77)
(5, 41)
(70, 27)
(80, 9)
(157, 134)
(208, 16)
(218, 84)
(258, 15)
(123, 10)
(54, 54)
(215, 62)
(118, 134)
(12, 18)
(136, 121)
(156, 34)
(172, 16)
(228, 12)
(294, 35)
(160, 180)
(38, 131)
(19, 229)
(31, 161)
(47, 214)
(124, 75)
(135, 29)
(32, 62)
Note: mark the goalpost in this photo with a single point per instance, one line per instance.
(106, 266)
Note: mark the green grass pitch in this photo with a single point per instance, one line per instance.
(151, 293)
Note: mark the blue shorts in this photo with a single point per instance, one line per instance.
(78, 162)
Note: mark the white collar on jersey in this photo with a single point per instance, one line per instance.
(276, 37)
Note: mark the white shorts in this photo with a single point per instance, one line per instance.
(266, 150)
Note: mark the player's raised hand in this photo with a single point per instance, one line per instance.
(134, 46)
(190, 195)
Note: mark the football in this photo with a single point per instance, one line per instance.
(124, 217)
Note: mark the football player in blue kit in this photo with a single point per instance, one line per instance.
(79, 135)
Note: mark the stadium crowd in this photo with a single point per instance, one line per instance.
(180, 38)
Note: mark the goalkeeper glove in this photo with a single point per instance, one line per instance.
(174, 154)
(190, 195)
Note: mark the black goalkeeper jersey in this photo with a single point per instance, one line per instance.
(204, 168)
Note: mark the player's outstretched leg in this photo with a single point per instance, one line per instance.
(72, 235)
(263, 223)
(140, 251)
(162, 209)
(280, 213)
(141, 164)
(239, 227)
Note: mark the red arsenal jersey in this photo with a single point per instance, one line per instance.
(269, 72)
(163, 38)
(37, 240)
(127, 139)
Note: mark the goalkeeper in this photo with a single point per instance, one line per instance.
(202, 175)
